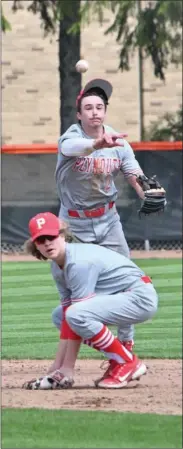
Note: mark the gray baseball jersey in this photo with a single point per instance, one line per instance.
(93, 273)
(86, 182)
(93, 269)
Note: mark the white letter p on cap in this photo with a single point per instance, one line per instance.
(40, 222)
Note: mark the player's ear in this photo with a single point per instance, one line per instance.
(78, 116)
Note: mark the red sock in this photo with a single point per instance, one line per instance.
(105, 341)
(65, 331)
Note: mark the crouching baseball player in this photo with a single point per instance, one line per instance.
(100, 287)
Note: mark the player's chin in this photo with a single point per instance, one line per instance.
(51, 254)
(95, 123)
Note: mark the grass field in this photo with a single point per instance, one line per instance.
(28, 296)
(78, 429)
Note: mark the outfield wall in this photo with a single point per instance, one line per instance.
(28, 187)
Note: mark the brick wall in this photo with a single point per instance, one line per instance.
(30, 83)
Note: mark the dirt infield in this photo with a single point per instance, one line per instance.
(153, 254)
(160, 391)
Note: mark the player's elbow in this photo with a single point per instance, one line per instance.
(66, 147)
(64, 151)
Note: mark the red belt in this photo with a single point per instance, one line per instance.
(146, 279)
(92, 213)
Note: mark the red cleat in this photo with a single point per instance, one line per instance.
(119, 375)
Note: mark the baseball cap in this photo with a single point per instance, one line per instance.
(44, 224)
(97, 83)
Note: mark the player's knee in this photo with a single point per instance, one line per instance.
(73, 316)
(152, 306)
(56, 316)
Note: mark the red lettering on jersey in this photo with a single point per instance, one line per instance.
(116, 163)
(82, 165)
(96, 165)
(76, 165)
(102, 165)
(89, 164)
(108, 166)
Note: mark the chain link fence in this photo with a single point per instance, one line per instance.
(8, 248)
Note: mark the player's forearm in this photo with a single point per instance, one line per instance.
(71, 354)
(66, 357)
(133, 182)
(77, 147)
(59, 358)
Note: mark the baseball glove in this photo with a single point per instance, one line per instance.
(154, 195)
(53, 381)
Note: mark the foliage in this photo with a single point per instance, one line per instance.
(50, 11)
(5, 25)
(57, 18)
(166, 128)
(156, 28)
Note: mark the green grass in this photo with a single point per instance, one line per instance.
(29, 295)
(37, 428)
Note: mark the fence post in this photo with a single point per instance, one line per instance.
(146, 235)
(147, 245)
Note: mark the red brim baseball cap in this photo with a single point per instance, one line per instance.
(44, 224)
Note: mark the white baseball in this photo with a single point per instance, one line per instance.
(82, 66)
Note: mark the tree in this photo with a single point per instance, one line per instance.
(5, 25)
(57, 17)
(69, 54)
(167, 128)
(155, 28)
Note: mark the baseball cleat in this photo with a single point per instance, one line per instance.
(140, 370)
(120, 375)
(112, 363)
(128, 345)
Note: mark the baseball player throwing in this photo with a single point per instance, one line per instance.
(90, 155)
(102, 287)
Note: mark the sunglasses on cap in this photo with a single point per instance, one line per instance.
(40, 240)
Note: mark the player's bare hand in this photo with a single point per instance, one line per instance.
(109, 141)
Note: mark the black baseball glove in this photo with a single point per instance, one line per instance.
(154, 195)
